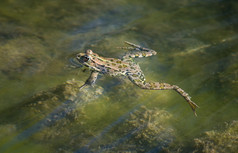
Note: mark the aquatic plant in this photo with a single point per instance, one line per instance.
(219, 141)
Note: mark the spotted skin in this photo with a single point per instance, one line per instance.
(126, 67)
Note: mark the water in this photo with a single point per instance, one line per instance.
(41, 108)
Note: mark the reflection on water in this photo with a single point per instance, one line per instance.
(42, 109)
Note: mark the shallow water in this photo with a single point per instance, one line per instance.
(41, 108)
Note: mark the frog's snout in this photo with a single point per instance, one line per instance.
(82, 58)
(79, 58)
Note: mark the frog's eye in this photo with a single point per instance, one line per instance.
(86, 58)
(89, 51)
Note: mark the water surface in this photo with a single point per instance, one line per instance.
(42, 109)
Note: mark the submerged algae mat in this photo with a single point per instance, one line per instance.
(140, 129)
(42, 110)
(70, 126)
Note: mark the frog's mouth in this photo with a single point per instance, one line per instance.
(75, 62)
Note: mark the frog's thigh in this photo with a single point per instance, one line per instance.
(140, 82)
(137, 79)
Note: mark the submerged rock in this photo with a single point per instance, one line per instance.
(222, 141)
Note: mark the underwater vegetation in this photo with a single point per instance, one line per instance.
(223, 140)
(141, 130)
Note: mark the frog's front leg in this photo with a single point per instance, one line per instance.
(91, 80)
(162, 86)
(138, 51)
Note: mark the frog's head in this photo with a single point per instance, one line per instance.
(87, 58)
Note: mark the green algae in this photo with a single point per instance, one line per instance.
(143, 130)
(225, 140)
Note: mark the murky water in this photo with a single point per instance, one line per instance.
(41, 108)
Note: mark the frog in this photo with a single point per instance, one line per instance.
(126, 66)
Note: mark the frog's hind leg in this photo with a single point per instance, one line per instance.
(138, 51)
(163, 86)
(137, 47)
